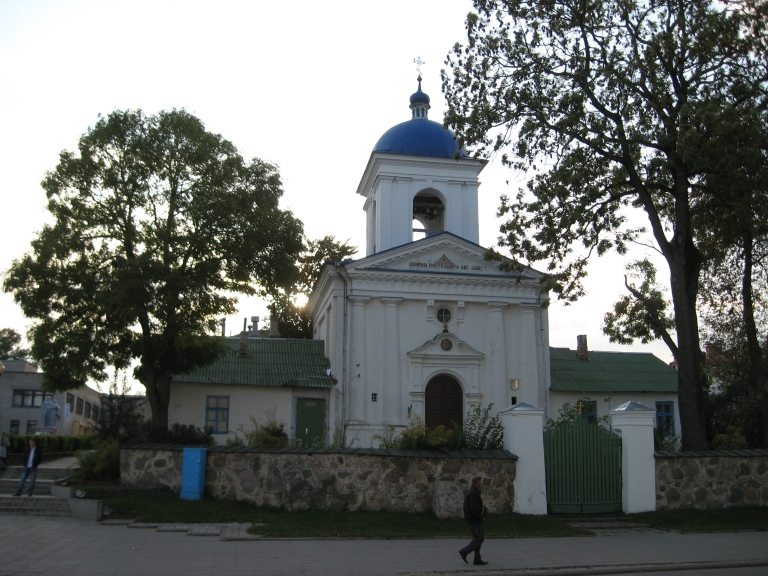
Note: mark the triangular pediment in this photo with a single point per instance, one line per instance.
(446, 345)
(441, 254)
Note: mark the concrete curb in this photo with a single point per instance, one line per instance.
(602, 570)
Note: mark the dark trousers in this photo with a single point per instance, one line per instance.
(30, 473)
(478, 535)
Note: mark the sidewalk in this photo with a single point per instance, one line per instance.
(64, 546)
(66, 462)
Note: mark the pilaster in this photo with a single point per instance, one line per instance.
(392, 378)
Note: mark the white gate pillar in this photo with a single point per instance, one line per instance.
(634, 423)
(524, 437)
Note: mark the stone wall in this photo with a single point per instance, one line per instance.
(155, 466)
(710, 480)
(346, 479)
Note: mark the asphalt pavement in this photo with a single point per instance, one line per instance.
(58, 546)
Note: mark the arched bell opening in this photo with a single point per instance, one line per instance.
(428, 211)
(419, 230)
(444, 402)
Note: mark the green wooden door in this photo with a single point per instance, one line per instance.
(583, 468)
(310, 423)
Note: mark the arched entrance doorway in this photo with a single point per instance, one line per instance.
(444, 402)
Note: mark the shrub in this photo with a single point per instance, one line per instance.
(569, 412)
(48, 443)
(119, 416)
(417, 436)
(732, 439)
(481, 431)
(100, 463)
(187, 434)
(269, 435)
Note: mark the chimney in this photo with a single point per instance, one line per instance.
(223, 327)
(273, 333)
(255, 327)
(581, 347)
(243, 349)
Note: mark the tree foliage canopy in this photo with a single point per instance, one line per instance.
(156, 223)
(294, 320)
(604, 102)
(10, 345)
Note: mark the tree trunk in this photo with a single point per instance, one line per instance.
(755, 368)
(684, 261)
(158, 386)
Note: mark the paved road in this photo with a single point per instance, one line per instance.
(67, 546)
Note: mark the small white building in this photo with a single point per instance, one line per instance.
(596, 382)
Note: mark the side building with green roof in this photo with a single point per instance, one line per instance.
(596, 382)
(286, 381)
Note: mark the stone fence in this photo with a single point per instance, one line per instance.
(335, 479)
(709, 480)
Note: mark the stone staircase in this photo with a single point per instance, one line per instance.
(35, 506)
(46, 477)
(42, 503)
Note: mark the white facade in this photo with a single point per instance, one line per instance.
(390, 184)
(246, 405)
(605, 402)
(380, 316)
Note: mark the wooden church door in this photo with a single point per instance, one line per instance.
(444, 402)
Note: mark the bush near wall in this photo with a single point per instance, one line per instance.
(48, 443)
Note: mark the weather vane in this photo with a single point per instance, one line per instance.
(418, 61)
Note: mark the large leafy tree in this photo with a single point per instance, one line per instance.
(733, 225)
(293, 317)
(600, 100)
(729, 206)
(10, 345)
(156, 225)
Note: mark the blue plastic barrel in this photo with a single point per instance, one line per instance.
(193, 473)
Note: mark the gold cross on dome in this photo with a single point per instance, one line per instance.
(419, 62)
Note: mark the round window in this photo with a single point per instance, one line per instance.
(443, 315)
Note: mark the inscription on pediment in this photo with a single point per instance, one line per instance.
(444, 263)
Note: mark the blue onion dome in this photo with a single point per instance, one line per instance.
(419, 98)
(419, 136)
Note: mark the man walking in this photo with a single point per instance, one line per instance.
(32, 458)
(473, 513)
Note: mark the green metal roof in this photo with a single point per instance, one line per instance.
(269, 362)
(610, 372)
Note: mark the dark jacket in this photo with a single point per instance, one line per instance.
(473, 506)
(35, 459)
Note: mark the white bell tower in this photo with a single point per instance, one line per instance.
(418, 183)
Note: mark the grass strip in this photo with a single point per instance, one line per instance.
(706, 520)
(165, 507)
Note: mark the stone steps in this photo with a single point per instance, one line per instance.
(36, 505)
(42, 486)
(15, 472)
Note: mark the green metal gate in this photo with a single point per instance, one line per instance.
(583, 468)
(310, 423)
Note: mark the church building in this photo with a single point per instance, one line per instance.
(423, 326)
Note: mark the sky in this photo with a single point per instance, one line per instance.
(309, 86)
